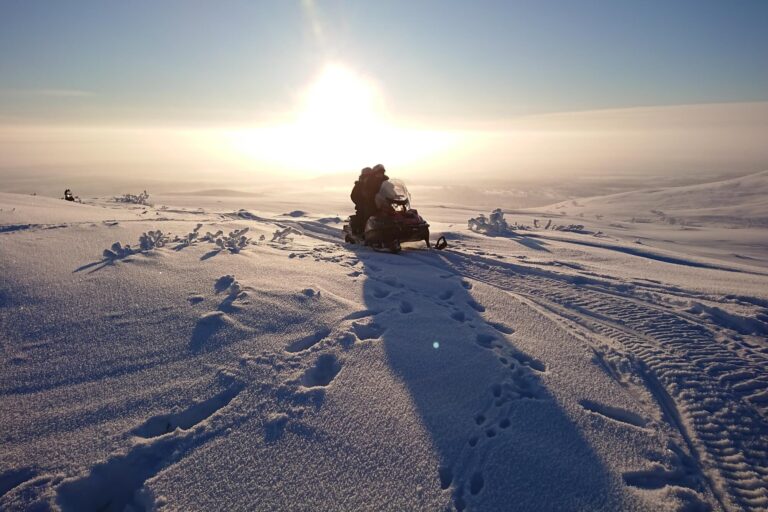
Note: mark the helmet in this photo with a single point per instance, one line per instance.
(379, 168)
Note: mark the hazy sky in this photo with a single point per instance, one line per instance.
(225, 60)
(442, 68)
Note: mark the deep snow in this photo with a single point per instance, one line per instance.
(622, 367)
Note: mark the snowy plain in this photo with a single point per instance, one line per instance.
(608, 354)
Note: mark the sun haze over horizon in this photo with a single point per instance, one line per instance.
(432, 89)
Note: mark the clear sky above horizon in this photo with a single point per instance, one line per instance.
(319, 86)
(238, 60)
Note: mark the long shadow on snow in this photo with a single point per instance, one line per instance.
(503, 441)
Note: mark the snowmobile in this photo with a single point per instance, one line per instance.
(395, 223)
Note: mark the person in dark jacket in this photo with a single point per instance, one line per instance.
(358, 198)
(364, 195)
(370, 189)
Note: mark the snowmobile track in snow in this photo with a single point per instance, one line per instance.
(711, 392)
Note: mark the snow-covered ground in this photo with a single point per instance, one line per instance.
(619, 365)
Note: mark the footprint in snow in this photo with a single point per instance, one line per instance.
(502, 328)
(392, 281)
(363, 313)
(322, 373)
(614, 413)
(308, 342)
(223, 283)
(459, 316)
(189, 417)
(112, 484)
(380, 293)
(476, 305)
(275, 426)
(367, 331)
(485, 340)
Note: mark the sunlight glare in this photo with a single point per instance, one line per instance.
(340, 124)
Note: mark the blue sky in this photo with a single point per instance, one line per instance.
(230, 61)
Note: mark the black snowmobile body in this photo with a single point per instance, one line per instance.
(390, 231)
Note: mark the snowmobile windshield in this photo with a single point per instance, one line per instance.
(395, 192)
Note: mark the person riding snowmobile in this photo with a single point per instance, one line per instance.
(364, 195)
(373, 184)
(358, 198)
(385, 218)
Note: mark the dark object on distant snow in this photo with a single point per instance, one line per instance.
(68, 195)
(393, 222)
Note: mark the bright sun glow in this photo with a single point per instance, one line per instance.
(340, 124)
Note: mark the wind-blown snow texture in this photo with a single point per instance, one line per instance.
(535, 369)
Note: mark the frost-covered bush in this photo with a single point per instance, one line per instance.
(282, 236)
(152, 239)
(478, 223)
(574, 228)
(494, 224)
(142, 199)
(233, 242)
(190, 237)
(117, 251)
(211, 237)
(147, 242)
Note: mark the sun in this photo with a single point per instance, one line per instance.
(341, 101)
(340, 123)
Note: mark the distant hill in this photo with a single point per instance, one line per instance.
(741, 201)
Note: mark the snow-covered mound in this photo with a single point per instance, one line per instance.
(18, 212)
(237, 359)
(741, 201)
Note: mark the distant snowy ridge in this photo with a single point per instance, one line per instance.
(741, 201)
